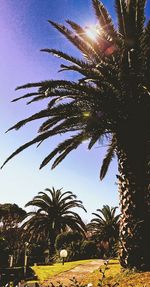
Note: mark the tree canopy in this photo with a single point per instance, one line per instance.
(54, 213)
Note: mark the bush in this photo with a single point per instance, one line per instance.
(37, 254)
(77, 247)
(89, 250)
(63, 240)
(72, 242)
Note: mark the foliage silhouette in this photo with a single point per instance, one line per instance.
(110, 100)
(53, 215)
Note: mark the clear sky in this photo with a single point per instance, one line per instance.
(24, 30)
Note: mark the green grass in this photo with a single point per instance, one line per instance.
(45, 272)
(115, 274)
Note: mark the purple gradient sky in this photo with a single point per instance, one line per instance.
(24, 31)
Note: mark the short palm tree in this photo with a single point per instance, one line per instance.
(53, 214)
(105, 225)
(111, 100)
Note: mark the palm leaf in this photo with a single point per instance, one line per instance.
(83, 46)
(104, 18)
(108, 158)
(121, 9)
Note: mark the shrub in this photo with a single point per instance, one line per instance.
(77, 247)
(72, 242)
(66, 238)
(89, 250)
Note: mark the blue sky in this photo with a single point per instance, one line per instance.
(24, 32)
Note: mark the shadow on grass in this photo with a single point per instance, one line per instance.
(16, 274)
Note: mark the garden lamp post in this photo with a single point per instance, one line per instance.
(63, 255)
(10, 260)
(46, 256)
(25, 257)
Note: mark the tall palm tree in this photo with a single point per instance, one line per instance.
(53, 214)
(110, 100)
(105, 225)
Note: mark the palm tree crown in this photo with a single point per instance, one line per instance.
(53, 214)
(115, 71)
(105, 224)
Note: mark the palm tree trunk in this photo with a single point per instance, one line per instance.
(52, 238)
(52, 249)
(134, 189)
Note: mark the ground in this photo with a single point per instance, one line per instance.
(46, 272)
(79, 272)
(88, 271)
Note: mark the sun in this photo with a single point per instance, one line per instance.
(92, 31)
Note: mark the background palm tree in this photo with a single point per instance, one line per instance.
(110, 100)
(53, 214)
(105, 226)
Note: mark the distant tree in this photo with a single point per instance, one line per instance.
(53, 215)
(11, 216)
(104, 226)
(4, 252)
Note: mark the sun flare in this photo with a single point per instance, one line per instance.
(92, 32)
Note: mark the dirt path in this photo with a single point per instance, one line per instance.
(79, 272)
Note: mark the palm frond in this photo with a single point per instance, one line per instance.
(140, 17)
(121, 10)
(76, 141)
(27, 96)
(67, 57)
(37, 139)
(84, 47)
(104, 18)
(41, 114)
(59, 149)
(108, 158)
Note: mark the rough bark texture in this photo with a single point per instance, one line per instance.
(134, 189)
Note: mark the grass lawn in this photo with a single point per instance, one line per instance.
(45, 272)
(114, 274)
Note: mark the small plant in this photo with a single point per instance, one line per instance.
(101, 282)
(75, 283)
